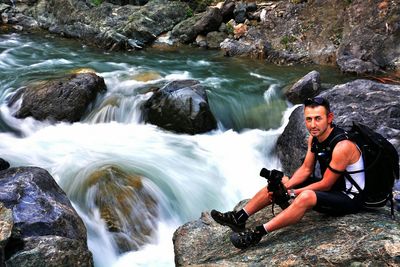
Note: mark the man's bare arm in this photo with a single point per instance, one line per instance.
(305, 170)
(342, 156)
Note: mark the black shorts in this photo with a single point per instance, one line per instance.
(335, 202)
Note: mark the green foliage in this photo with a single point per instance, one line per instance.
(287, 39)
(189, 12)
(97, 2)
(229, 28)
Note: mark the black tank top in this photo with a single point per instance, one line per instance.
(323, 153)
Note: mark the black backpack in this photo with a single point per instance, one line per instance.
(381, 166)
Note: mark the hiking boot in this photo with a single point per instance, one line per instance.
(228, 219)
(246, 239)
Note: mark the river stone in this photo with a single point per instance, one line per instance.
(46, 228)
(128, 208)
(180, 106)
(363, 239)
(65, 99)
(308, 86)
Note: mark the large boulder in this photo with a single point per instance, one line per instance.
(372, 45)
(202, 23)
(371, 103)
(64, 99)
(308, 86)
(364, 239)
(180, 106)
(46, 230)
(127, 206)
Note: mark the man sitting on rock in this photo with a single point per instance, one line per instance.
(333, 194)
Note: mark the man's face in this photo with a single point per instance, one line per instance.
(318, 121)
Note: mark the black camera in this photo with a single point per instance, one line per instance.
(275, 185)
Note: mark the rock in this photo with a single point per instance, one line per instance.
(180, 106)
(241, 47)
(127, 2)
(239, 12)
(308, 86)
(214, 39)
(47, 230)
(128, 208)
(373, 104)
(227, 10)
(292, 143)
(202, 23)
(201, 40)
(64, 99)
(4, 164)
(110, 26)
(372, 45)
(185, 31)
(6, 226)
(364, 239)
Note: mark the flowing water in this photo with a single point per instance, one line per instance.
(153, 180)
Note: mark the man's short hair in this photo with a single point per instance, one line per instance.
(317, 101)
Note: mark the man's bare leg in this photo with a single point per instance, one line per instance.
(260, 200)
(292, 214)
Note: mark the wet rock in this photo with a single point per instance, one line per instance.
(182, 107)
(308, 86)
(64, 99)
(128, 208)
(46, 229)
(368, 238)
(4, 164)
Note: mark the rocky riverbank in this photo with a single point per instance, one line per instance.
(364, 239)
(356, 36)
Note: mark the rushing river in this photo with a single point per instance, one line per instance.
(182, 174)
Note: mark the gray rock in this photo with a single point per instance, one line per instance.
(202, 23)
(128, 2)
(214, 39)
(64, 99)
(240, 12)
(364, 239)
(227, 10)
(180, 106)
(308, 86)
(46, 230)
(292, 144)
